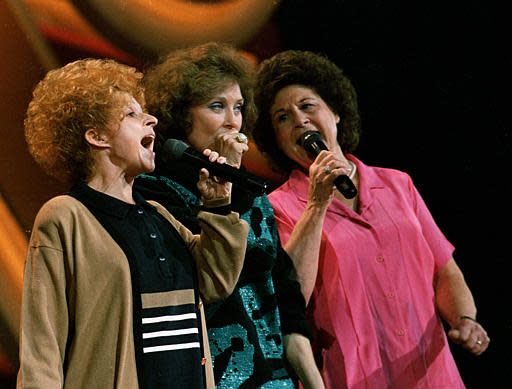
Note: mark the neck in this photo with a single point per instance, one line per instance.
(117, 186)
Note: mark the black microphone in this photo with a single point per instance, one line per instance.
(176, 150)
(313, 143)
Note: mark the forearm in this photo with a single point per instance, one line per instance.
(300, 356)
(453, 297)
(44, 320)
(219, 250)
(303, 247)
(289, 298)
(219, 253)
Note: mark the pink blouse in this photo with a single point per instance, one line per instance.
(372, 308)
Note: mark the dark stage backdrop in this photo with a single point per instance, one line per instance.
(434, 85)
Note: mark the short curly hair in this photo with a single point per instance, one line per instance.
(67, 102)
(190, 77)
(315, 71)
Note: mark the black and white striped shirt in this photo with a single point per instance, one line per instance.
(167, 322)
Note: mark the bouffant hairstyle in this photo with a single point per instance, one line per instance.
(82, 95)
(189, 77)
(316, 72)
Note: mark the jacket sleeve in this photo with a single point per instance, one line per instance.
(44, 312)
(219, 250)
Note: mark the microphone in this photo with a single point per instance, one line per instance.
(313, 143)
(176, 150)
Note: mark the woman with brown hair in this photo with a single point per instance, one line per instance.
(204, 98)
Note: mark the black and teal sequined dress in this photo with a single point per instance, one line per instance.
(245, 329)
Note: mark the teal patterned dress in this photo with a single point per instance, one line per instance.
(245, 329)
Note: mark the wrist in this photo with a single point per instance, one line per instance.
(317, 208)
(215, 202)
(465, 317)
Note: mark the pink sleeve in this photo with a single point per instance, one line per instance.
(441, 248)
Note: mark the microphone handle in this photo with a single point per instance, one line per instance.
(314, 144)
(243, 179)
(345, 186)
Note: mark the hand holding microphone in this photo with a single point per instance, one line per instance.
(210, 186)
(176, 150)
(232, 145)
(313, 143)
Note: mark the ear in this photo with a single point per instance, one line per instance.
(94, 138)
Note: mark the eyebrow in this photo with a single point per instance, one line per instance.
(298, 102)
(223, 99)
(132, 107)
(276, 112)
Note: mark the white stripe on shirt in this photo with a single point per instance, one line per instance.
(159, 319)
(171, 347)
(158, 334)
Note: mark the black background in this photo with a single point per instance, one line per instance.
(433, 82)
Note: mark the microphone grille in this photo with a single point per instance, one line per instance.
(310, 137)
(173, 149)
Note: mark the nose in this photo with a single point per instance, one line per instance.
(233, 120)
(300, 118)
(150, 120)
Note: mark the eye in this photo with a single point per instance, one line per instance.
(238, 108)
(131, 114)
(307, 107)
(282, 118)
(217, 106)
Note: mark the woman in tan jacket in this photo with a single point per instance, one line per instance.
(113, 285)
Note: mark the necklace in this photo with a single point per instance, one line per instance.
(353, 171)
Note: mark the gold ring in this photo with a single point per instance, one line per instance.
(241, 138)
(479, 342)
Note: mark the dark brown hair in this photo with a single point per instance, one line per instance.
(314, 71)
(189, 77)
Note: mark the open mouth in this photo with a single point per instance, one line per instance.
(147, 141)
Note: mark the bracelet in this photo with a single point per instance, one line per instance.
(467, 317)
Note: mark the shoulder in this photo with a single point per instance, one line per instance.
(392, 175)
(261, 201)
(296, 188)
(57, 219)
(381, 176)
(393, 182)
(280, 194)
(59, 208)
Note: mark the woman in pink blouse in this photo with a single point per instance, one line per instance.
(377, 273)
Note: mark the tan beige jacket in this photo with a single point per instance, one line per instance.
(77, 318)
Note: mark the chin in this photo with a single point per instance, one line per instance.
(150, 164)
(150, 169)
